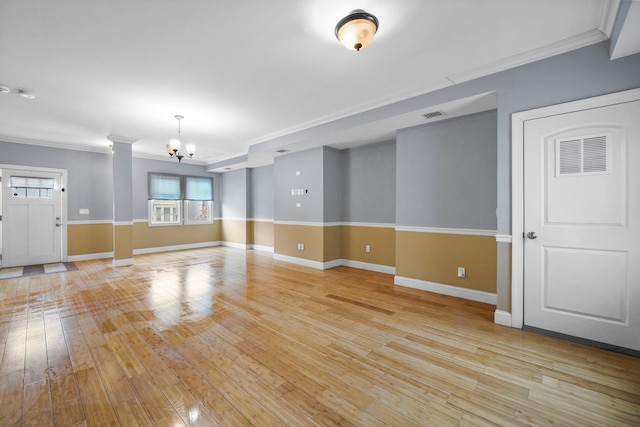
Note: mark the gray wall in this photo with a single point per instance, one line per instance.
(233, 194)
(140, 169)
(332, 169)
(370, 184)
(89, 175)
(262, 192)
(446, 174)
(310, 165)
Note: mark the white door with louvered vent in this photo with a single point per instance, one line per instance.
(582, 224)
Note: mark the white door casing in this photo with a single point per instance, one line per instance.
(34, 227)
(578, 277)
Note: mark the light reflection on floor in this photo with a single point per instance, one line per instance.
(194, 292)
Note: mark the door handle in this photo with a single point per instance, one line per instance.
(532, 235)
(58, 224)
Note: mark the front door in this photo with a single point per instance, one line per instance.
(582, 224)
(31, 217)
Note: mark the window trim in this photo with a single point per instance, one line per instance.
(151, 208)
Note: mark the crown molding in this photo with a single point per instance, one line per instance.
(349, 112)
(14, 140)
(166, 158)
(122, 139)
(609, 14)
(562, 46)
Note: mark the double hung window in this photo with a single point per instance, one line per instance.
(179, 199)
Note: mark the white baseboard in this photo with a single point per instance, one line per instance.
(306, 262)
(234, 245)
(331, 264)
(155, 249)
(454, 291)
(261, 248)
(89, 257)
(368, 266)
(502, 318)
(335, 263)
(122, 262)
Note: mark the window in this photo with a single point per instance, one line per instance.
(33, 188)
(198, 205)
(166, 212)
(178, 199)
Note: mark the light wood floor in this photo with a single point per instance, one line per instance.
(222, 337)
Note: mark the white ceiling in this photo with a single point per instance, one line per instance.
(245, 72)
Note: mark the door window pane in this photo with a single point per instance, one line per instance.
(34, 188)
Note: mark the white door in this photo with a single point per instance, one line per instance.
(31, 217)
(582, 224)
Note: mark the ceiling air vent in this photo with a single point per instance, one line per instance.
(433, 114)
(282, 150)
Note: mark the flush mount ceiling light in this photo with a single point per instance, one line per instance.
(25, 94)
(174, 147)
(356, 30)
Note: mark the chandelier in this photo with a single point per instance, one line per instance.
(175, 144)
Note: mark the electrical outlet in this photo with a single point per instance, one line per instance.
(367, 248)
(301, 246)
(84, 211)
(462, 272)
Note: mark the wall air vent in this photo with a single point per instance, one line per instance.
(282, 150)
(433, 115)
(585, 155)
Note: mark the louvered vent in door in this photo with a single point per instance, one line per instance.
(586, 155)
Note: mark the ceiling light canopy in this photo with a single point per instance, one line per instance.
(22, 92)
(26, 94)
(356, 30)
(174, 147)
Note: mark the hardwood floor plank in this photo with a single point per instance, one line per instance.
(36, 363)
(13, 354)
(11, 398)
(96, 405)
(220, 336)
(65, 396)
(213, 401)
(352, 413)
(600, 401)
(36, 409)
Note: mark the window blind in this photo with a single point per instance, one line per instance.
(199, 188)
(164, 187)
